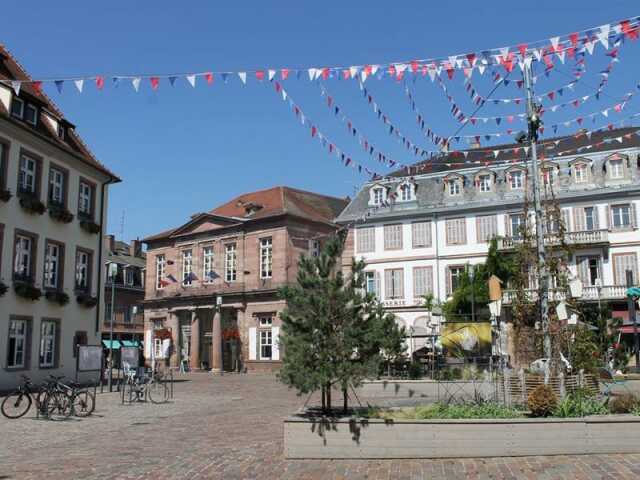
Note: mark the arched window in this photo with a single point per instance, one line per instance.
(484, 181)
(377, 195)
(453, 185)
(516, 178)
(406, 191)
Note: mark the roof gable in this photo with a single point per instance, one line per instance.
(204, 222)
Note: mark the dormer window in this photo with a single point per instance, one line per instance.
(17, 107)
(454, 186)
(616, 168)
(406, 192)
(484, 183)
(581, 172)
(60, 131)
(377, 195)
(31, 114)
(516, 179)
(546, 175)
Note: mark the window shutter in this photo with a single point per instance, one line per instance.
(57, 342)
(596, 221)
(429, 279)
(388, 291)
(377, 280)
(583, 272)
(607, 217)
(275, 343)
(448, 281)
(507, 230)
(566, 219)
(634, 218)
(253, 337)
(147, 344)
(166, 348)
(418, 282)
(578, 219)
(401, 283)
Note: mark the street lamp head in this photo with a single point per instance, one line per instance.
(521, 137)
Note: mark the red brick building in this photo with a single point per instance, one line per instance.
(211, 291)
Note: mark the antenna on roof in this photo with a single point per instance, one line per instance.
(122, 226)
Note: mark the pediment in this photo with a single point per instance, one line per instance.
(205, 222)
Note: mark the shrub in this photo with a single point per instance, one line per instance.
(444, 411)
(542, 401)
(471, 372)
(416, 370)
(579, 404)
(624, 403)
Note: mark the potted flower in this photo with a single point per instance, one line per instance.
(57, 296)
(3, 288)
(26, 289)
(89, 225)
(59, 212)
(31, 203)
(5, 195)
(86, 300)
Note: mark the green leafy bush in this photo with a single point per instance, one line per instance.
(624, 403)
(580, 404)
(542, 401)
(448, 411)
(416, 370)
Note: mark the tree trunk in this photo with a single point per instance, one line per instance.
(328, 389)
(345, 400)
(324, 401)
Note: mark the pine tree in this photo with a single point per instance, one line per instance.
(333, 333)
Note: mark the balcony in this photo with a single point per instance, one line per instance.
(402, 302)
(610, 292)
(587, 237)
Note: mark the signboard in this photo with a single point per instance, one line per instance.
(129, 356)
(89, 358)
(466, 338)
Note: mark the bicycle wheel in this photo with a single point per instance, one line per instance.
(58, 405)
(83, 403)
(157, 392)
(16, 405)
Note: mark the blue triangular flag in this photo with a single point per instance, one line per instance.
(59, 85)
(224, 77)
(172, 80)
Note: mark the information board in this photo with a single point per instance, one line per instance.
(129, 356)
(89, 358)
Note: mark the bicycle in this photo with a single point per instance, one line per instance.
(81, 400)
(47, 400)
(141, 388)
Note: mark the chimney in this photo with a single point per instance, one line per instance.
(135, 248)
(109, 243)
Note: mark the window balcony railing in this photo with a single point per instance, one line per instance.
(609, 292)
(586, 237)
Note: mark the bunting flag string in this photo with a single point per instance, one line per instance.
(545, 51)
(367, 145)
(315, 132)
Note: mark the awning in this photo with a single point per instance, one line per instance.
(116, 344)
(130, 343)
(628, 329)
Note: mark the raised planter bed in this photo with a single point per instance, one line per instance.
(329, 437)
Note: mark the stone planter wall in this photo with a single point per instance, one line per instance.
(349, 438)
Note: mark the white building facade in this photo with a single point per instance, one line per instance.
(53, 208)
(417, 234)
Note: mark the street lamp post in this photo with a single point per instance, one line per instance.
(113, 271)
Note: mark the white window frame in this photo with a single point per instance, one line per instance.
(515, 232)
(20, 337)
(266, 341)
(378, 195)
(53, 255)
(187, 267)
(24, 250)
(56, 185)
(618, 170)
(418, 230)
(516, 179)
(208, 258)
(454, 187)
(161, 264)
(230, 263)
(157, 348)
(621, 215)
(47, 353)
(460, 271)
(371, 283)
(456, 231)
(406, 191)
(32, 107)
(487, 226)
(394, 284)
(82, 270)
(17, 101)
(422, 279)
(266, 258)
(85, 193)
(393, 234)
(129, 278)
(314, 248)
(484, 183)
(580, 172)
(28, 173)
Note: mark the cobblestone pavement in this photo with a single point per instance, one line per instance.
(231, 428)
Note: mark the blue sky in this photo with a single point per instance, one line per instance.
(182, 150)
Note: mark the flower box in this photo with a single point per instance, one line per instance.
(89, 226)
(60, 213)
(57, 296)
(26, 290)
(86, 300)
(3, 288)
(5, 195)
(30, 203)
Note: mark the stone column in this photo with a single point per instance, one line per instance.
(174, 323)
(216, 342)
(195, 341)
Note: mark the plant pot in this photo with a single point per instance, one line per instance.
(86, 300)
(60, 213)
(90, 226)
(32, 204)
(27, 290)
(57, 296)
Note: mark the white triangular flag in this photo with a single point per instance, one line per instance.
(192, 80)
(528, 60)
(459, 62)
(374, 69)
(561, 56)
(363, 75)
(521, 65)
(554, 42)
(585, 98)
(504, 51)
(272, 73)
(79, 84)
(481, 68)
(495, 153)
(243, 77)
(284, 94)
(619, 139)
(16, 86)
(526, 150)
(605, 112)
(554, 107)
(538, 54)
(589, 47)
(401, 67)
(603, 35)
(353, 71)
(136, 83)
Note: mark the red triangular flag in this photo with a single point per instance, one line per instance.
(314, 130)
(260, 75)
(99, 82)
(209, 77)
(574, 39)
(284, 73)
(325, 73)
(37, 86)
(523, 49)
(155, 81)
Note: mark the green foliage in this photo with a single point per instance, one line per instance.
(448, 411)
(477, 289)
(607, 334)
(333, 333)
(542, 401)
(416, 370)
(584, 351)
(580, 404)
(635, 410)
(471, 372)
(624, 403)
